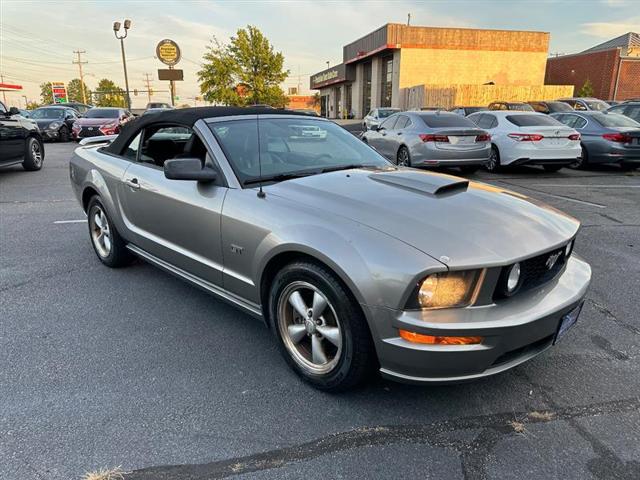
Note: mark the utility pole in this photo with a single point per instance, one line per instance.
(147, 81)
(408, 19)
(121, 37)
(79, 62)
(4, 95)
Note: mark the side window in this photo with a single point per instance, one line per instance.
(633, 111)
(617, 109)
(162, 143)
(389, 123)
(402, 122)
(370, 114)
(569, 120)
(493, 121)
(131, 152)
(580, 122)
(477, 119)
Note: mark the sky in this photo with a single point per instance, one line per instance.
(37, 39)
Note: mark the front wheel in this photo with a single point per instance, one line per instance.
(320, 328)
(107, 242)
(403, 159)
(64, 134)
(33, 155)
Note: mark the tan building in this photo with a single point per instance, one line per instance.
(379, 65)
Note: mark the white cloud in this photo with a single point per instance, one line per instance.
(611, 29)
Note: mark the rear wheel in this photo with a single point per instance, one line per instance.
(403, 159)
(582, 161)
(493, 164)
(107, 243)
(552, 168)
(320, 328)
(64, 134)
(33, 155)
(469, 169)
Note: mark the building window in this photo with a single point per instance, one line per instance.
(385, 81)
(366, 87)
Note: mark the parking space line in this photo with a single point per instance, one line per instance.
(585, 186)
(559, 197)
(58, 222)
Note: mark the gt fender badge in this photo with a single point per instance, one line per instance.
(236, 249)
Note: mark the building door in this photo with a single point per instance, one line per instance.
(324, 106)
(347, 101)
(366, 88)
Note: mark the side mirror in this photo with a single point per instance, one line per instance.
(14, 111)
(377, 128)
(188, 169)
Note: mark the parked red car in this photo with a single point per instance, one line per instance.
(100, 121)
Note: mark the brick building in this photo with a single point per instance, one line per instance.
(613, 67)
(378, 66)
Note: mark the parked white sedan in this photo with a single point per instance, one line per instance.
(528, 138)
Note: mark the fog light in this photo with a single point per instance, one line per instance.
(514, 278)
(568, 248)
(438, 340)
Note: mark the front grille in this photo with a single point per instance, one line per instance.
(85, 132)
(534, 272)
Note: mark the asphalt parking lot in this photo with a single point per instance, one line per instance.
(134, 368)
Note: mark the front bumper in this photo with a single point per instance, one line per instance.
(449, 163)
(50, 134)
(514, 330)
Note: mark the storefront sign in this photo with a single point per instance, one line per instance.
(59, 92)
(168, 52)
(337, 74)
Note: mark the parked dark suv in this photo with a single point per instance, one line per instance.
(20, 140)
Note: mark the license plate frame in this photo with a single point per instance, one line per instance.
(567, 321)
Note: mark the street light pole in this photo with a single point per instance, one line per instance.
(116, 29)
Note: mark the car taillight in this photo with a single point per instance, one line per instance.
(483, 138)
(434, 138)
(574, 136)
(617, 137)
(526, 137)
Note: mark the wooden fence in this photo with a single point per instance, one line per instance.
(447, 96)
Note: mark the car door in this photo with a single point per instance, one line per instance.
(12, 143)
(177, 221)
(398, 136)
(385, 141)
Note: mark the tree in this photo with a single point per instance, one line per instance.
(246, 71)
(74, 91)
(46, 93)
(31, 105)
(109, 94)
(586, 90)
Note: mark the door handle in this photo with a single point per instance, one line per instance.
(133, 183)
(399, 133)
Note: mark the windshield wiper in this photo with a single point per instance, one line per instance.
(345, 167)
(277, 178)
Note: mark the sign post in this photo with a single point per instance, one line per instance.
(59, 92)
(168, 53)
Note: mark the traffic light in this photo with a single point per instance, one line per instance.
(135, 92)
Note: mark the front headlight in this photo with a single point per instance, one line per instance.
(449, 289)
(53, 125)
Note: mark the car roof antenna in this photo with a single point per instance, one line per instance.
(261, 193)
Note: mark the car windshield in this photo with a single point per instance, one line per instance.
(443, 120)
(290, 147)
(385, 112)
(614, 120)
(102, 113)
(597, 105)
(48, 114)
(539, 120)
(559, 107)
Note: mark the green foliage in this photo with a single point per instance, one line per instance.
(32, 105)
(586, 90)
(46, 93)
(74, 91)
(244, 72)
(109, 94)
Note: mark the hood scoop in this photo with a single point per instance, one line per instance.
(430, 184)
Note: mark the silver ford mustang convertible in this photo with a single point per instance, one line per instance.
(355, 264)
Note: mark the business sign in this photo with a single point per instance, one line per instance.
(59, 92)
(337, 74)
(170, 74)
(168, 52)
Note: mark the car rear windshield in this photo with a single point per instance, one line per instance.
(48, 113)
(287, 147)
(539, 120)
(614, 120)
(102, 113)
(385, 112)
(444, 120)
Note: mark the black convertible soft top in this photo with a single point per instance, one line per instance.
(186, 117)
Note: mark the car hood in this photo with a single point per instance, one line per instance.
(95, 122)
(460, 223)
(45, 122)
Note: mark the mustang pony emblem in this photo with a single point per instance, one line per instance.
(551, 261)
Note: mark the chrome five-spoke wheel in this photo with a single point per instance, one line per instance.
(309, 327)
(100, 232)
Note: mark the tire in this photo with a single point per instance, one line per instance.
(469, 169)
(493, 164)
(628, 167)
(64, 134)
(552, 168)
(34, 154)
(582, 162)
(403, 157)
(339, 336)
(112, 251)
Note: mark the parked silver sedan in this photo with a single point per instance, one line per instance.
(431, 139)
(353, 263)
